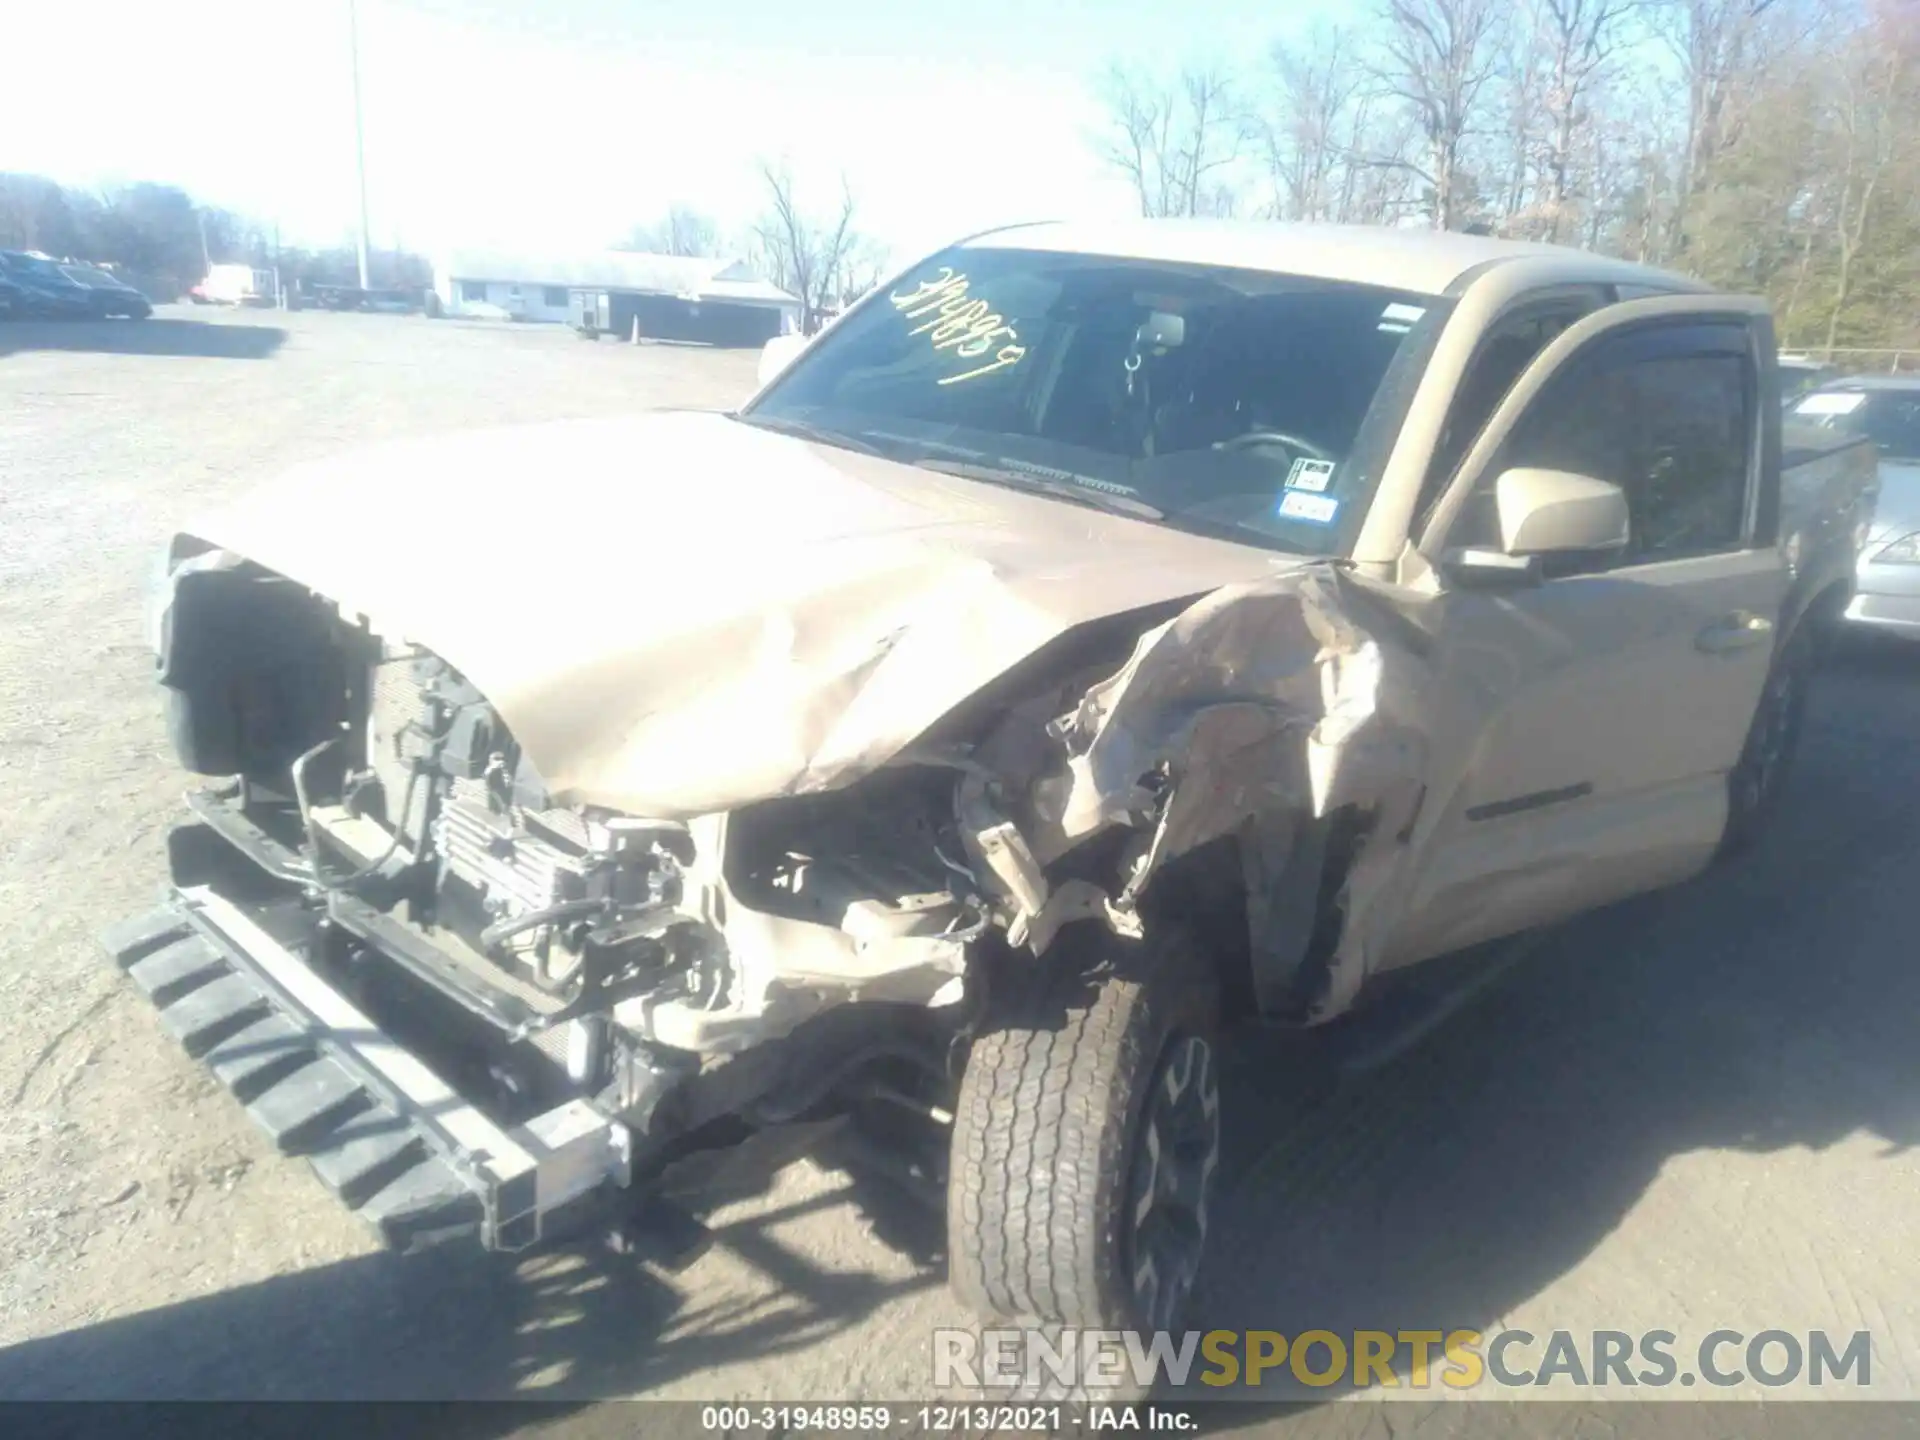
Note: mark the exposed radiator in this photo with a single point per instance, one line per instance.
(521, 859)
(516, 869)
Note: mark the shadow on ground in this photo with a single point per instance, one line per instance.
(159, 336)
(562, 1327)
(1771, 1004)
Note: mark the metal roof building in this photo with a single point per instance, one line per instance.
(720, 300)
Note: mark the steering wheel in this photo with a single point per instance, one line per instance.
(1298, 444)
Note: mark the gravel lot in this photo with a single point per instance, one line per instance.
(1697, 1110)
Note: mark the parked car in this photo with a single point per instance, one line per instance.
(1886, 410)
(1801, 373)
(112, 297)
(234, 284)
(44, 291)
(1098, 636)
(11, 301)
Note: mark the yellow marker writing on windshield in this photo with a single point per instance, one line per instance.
(960, 323)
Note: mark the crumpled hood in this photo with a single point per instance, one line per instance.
(678, 613)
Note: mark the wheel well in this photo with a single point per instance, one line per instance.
(1206, 892)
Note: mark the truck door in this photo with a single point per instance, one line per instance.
(1606, 701)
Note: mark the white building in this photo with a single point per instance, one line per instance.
(673, 296)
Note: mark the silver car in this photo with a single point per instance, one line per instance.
(1885, 409)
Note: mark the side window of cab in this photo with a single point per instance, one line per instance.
(1510, 345)
(1668, 416)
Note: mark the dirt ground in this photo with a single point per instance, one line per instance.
(1695, 1111)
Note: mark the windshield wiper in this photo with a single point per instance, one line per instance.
(807, 430)
(1015, 478)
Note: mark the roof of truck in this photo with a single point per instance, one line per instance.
(1405, 258)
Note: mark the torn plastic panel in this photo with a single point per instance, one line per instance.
(1260, 707)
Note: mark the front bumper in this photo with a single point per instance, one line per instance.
(397, 1144)
(1887, 598)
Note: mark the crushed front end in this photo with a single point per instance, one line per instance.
(477, 1009)
(582, 928)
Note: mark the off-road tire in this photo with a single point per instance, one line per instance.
(1048, 1128)
(1766, 759)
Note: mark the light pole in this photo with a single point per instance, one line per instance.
(359, 136)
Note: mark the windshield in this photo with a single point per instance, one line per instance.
(34, 266)
(1229, 402)
(1889, 418)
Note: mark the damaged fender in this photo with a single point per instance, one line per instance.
(1260, 705)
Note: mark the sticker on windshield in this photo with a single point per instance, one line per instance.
(954, 320)
(1398, 319)
(1304, 505)
(1311, 475)
(1837, 402)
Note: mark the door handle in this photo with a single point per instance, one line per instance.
(1738, 631)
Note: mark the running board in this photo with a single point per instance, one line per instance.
(384, 1133)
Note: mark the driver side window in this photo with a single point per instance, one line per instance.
(1672, 430)
(1508, 349)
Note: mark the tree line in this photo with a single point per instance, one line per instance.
(162, 237)
(1766, 146)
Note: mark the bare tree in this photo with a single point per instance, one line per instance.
(1564, 48)
(1522, 109)
(862, 267)
(1727, 51)
(1320, 109)
(1439, 56)
(1873, 119)
(811, 258)
(1774, 148)
(1174, 141)
(682, 231)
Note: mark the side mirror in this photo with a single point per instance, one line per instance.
(1554, 512)
(777, 354)
(1493, 569)
(1542, 513)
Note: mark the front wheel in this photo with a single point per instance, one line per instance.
(1756, 780)
(1086, 1140)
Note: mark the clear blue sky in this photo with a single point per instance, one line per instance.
(559, 123)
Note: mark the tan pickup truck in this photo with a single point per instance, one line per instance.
(1097, 636)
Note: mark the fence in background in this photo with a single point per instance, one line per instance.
(1884, 361)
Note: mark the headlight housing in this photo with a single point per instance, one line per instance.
(171, 569)
(1904, 551)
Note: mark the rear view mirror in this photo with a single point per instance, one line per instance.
(777, 354)
(1160, 331)
(1554, 512)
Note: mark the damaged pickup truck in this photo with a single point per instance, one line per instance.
(1096, 637)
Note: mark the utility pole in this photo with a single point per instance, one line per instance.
(359, 136)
